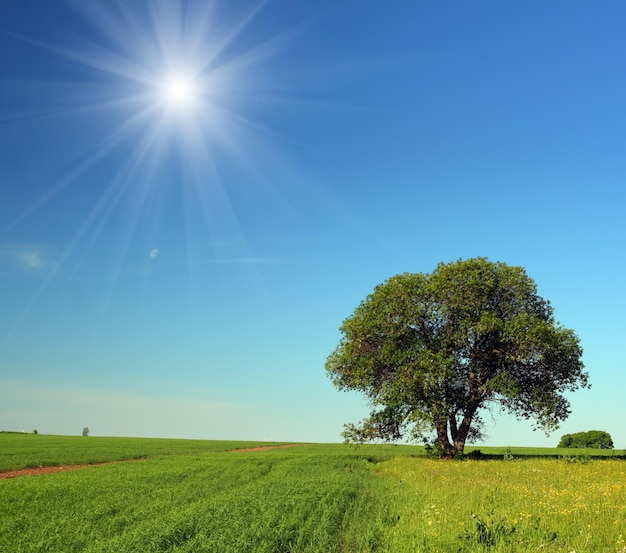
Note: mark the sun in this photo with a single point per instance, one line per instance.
(179, 91)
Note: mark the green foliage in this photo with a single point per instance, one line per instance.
(430, 351)
(579, 459)
(86, 431)
(592, 439)
(475, 454)
(508, 455)
(434, 451)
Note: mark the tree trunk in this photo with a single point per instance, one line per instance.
(447, 449)
(459, 435)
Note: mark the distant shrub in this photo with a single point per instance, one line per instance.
(35, 431)
(433, 450)
(597, 439)
(475, 454)
(579, 459)
(86, 431)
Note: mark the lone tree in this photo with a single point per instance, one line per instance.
(430, 351)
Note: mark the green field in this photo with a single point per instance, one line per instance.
(196, 496)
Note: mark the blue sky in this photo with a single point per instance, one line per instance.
(194, 195)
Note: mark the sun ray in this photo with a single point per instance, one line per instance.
(166, 82)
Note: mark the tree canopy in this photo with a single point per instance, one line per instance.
(597, 439)
(432, 351)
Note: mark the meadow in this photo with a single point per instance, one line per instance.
(201, 496)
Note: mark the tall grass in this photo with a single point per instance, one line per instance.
(308, 499)
(571, 504)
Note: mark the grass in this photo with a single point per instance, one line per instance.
(508, 506)
(19, 451)
(544, 452)
(310, 498)
(196, 496)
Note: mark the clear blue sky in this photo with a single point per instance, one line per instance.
(194, 195)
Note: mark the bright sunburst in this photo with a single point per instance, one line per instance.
(169, 91)
(156, 60)
(180, 92)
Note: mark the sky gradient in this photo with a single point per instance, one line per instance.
(194, 195)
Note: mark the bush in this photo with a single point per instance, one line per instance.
(597, 439)
(475, 454)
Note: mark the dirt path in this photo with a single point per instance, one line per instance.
(49, 470)
(266, 447)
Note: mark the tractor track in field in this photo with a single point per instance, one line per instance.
(35, 471)
(265, 448)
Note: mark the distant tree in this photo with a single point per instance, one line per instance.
(566, 441)
(430, 351)
(86, 431)
(35, 431)
(597, 439)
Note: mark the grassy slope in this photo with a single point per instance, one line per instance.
(36, 450)
(194, 496)
(310, 499)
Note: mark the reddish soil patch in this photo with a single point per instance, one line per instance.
(266, 447)
(49, 470)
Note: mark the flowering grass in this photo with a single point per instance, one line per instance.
(571, 504)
